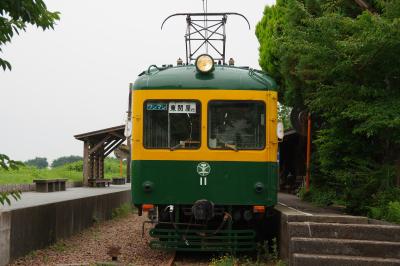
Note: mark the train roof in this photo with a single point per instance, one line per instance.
(187, 77)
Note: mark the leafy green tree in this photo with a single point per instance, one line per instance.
(5, 196)
(65, 159)
(284, 116)
(342, 64)
(38, 162)
(6, 163)
(15, 15)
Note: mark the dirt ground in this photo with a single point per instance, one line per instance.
(91, 246)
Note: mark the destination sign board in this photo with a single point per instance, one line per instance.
(182, 107)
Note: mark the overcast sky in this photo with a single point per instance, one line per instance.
(76, 78)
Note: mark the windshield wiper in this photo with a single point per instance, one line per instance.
(231, 146)
(177, 146)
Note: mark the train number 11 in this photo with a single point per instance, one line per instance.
(203, 181)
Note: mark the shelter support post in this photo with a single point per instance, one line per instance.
(86, 162)
(101, 162)
(92, 162)
(95, 166)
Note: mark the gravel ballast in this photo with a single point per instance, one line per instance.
(91, 246)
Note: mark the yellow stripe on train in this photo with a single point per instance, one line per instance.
(268, 154)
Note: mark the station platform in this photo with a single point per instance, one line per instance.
(293, 202)
(40, 219)
(32, 199)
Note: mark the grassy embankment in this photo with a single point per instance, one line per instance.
(71, 171)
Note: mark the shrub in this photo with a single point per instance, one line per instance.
(318, 196)
(393, 212)
(386, 205)
(122, 211)
(75, 166)
(226, 260)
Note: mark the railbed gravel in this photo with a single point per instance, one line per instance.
(91, 246)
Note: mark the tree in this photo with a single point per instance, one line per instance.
(5, 196)
(15, 15)
(341, 63)
(284, 116)
(38, 162)
(65, 159)
(6, 163)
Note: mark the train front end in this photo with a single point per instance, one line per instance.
(204, 156)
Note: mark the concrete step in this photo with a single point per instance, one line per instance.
(335, 260)
(346, 247)
(344, 219)
(345, 231)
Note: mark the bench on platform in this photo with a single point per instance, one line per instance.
(98, 182)
(50, 185)
(118, 180)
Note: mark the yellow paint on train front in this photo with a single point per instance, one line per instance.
(269, 154)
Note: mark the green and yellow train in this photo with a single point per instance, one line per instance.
(204, 154)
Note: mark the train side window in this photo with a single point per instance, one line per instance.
(236, 125)
(172, 124)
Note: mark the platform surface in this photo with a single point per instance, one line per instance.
(294, 202)
(31, 199)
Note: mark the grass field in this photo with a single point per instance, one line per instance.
(71, 171)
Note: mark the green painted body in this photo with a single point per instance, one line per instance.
(187, 77)
(223, 241)
(229, 183)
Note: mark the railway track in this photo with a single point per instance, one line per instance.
(191, 258)
(171, 260)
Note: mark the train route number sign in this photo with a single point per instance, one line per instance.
(157, 107)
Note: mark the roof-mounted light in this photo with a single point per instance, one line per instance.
(205, 63)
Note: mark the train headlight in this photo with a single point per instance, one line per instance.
(148, 186)
(205, 63)
(259, 187)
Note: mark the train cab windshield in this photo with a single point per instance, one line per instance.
(172, 124)
(236, 125)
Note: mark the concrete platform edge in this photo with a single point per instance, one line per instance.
(5, 226)
(23, 230)
(284, 239)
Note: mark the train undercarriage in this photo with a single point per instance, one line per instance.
(205, 227)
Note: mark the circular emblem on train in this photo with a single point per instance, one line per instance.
(203, 169)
